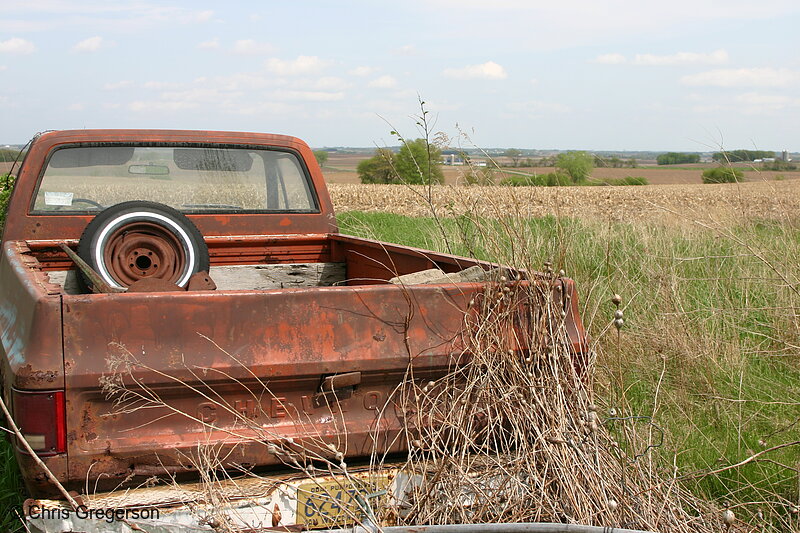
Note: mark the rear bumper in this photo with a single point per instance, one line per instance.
(252, 503)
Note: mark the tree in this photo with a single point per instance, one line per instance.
(578, 165)
(419, 162)
(677, 158)
(722, 175)
(735, 156)
(321, 156)
(514, 155)
(379, 168)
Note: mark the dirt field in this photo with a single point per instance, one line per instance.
(341, 168)
(671, 204)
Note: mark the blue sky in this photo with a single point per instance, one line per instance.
(570, 74)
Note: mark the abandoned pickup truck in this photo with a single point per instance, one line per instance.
(211, 276)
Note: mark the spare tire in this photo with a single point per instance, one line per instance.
(135, 240)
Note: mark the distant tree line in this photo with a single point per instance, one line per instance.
(737, 156)
(677, 158)
(614, 162)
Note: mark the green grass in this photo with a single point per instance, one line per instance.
(710, 345)
(628, 180)
(709, 348)
(12, 493)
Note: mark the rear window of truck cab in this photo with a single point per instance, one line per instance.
(190, 179)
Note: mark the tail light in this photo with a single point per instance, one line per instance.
(40, 416)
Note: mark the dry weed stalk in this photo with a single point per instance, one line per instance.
(516, 436)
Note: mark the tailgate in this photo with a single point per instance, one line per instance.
(303, 368)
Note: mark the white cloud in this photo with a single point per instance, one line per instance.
(3, 67)
(610, 59)
(15, 45)
(203, 16)
(114, 86)
(407, 50)
(209, 45)
(200, 95)
(754, 103)
(488, 71)
(384, 82)
(361, 71)
(144, 106)
(328, 83)
(717, 57)
(308, 96)
(160, 85)
(301, 65)
(252, 47)
(744, 77)
(766, 99)
(92, 44)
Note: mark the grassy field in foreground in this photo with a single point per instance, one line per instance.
(711, 344)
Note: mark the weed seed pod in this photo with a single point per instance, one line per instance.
(272, 449)
(618, 314)
(619, 322)
(612, 412)
(728, 517)
(616, 299)
(612, 505)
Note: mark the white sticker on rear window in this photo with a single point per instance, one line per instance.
(58, 198)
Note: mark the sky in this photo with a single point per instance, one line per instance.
(567, 74)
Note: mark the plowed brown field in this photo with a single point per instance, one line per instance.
(341, 168)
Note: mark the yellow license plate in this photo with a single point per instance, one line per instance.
(333, 503)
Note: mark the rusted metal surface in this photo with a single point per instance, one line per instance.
(201, 281)
(98, 283)
(144, 250)
(154, 285)
(238, 369)
(291, 339)
(20, 225)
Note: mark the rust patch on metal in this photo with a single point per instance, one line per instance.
(154, 285)
(201, 281)
(142, 250)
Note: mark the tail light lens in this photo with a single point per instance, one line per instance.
(41, 418)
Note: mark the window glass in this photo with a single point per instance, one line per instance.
(88, 179)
